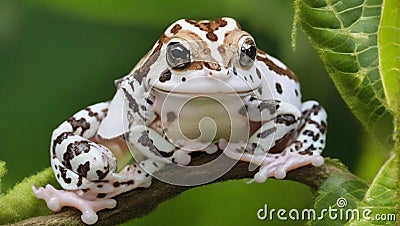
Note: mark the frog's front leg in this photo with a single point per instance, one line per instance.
(88, 170)
(295, 143)
(154, 146)
(278, 121)
(304, 149)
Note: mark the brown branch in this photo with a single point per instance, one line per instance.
(140, 202)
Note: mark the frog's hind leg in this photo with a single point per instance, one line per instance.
(87, 170)
(304, 150)
(98, 195)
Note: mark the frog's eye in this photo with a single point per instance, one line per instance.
(178, 56)
(248, 51)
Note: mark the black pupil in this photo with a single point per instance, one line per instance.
(179, 56)
(251, 52)
(178, 52)
(248, 52)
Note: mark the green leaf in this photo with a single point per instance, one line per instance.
(389, 49)
(338, 187)
(20, 202)
(382, 197)
(343, 187)
(345, 35)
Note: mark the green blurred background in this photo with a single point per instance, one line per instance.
(57, 57)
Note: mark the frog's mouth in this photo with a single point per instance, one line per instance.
(206, 81)
(200, 92)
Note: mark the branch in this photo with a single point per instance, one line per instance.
(141, 202)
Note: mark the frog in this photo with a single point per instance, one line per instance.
(194, 67)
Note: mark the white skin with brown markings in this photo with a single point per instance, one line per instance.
(191, 59)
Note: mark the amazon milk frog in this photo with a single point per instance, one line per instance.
(192, 70)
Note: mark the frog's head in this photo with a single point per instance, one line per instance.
(201, 57)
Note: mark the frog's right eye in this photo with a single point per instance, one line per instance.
(247, 51)
(178, 56)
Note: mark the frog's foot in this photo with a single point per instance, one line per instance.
(271, 165)
(238, 152)
(193, 146)
(277, 165)
(98, 195)
(182, 155)
(56, 199)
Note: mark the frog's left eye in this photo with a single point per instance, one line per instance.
(178, 56)
(248, 51)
